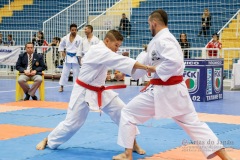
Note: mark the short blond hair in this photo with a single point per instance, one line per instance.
(114, 35)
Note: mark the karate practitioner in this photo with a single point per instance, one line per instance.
(70, 42)
(89, 92)
(167, 95)
(89, 40)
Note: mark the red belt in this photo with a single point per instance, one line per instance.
(171, 81)
(99, 90)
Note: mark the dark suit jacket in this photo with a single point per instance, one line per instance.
(37, 63)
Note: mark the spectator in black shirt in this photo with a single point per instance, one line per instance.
(184, 44)
(206, 22)
(125, 25)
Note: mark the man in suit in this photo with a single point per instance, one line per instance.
(30, 65)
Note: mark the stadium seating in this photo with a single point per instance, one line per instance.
(4, 2)
(184, 16)
(230, 39)
(36, 13)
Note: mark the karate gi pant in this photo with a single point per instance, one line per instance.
(76, 117)
(141, 109)
(66, 71)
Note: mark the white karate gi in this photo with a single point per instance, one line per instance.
(160, 101)
(70, 61)
(93, 72)
(142, 55)
(84, 47)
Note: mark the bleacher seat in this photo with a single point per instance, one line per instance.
(184, 16)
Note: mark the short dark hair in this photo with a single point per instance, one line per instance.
(159, 15)
(41, 32)
(114, 35)
(57, 38)
(28, 43)
(73, 25)
(215, 34)
(10, 35)
(90, 27)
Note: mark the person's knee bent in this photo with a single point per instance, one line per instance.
(38, 79)
(21, 81)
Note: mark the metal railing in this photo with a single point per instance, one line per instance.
(110, 18)
(236, 15)
(78, 12)
(19, 36)
(54, 60)
(231, 56)
(58, 25)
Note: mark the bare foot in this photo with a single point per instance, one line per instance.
(138, 149)
(122, 156)
(42, 145)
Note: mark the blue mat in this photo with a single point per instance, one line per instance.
(98, 136)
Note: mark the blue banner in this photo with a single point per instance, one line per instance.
(204, 79)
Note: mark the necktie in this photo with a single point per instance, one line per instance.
(30, 62)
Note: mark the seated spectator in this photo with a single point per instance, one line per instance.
(184, 44)
(30, 65)
(206, 22)
(125, 25)
(10, 41)
(214, 44)
(1, 40)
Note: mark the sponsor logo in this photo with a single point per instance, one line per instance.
(191, 78)
(217, 79)
(191, 62)
(209, 81)
(215, 62)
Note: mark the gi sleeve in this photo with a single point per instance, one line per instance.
(172, 63)
(118, 62)
(141, 58)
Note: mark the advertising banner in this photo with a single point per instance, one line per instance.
(9, 55)
(204, 79)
